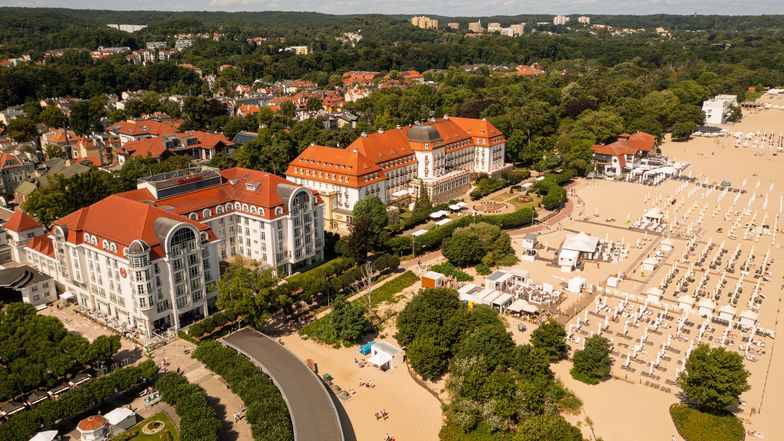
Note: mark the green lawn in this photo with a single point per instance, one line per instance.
(135, 432)
(695, 425)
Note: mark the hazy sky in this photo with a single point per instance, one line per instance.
(442, 7)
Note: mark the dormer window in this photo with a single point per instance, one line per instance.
(105, 244)
(206, 213)
(252, 210)
(278, 211)
(193, 216)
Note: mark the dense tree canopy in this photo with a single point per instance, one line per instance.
(250, 291)
(592, 364)
(714, 378)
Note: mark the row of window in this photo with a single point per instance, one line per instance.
(220, 209)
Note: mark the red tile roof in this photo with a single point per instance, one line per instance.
(369, 153)
(257, 188)
(155, 147)
(121, 220)
(42, 244)
(146, 127)
(20, 221)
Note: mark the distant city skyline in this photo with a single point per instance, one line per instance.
(465, 8)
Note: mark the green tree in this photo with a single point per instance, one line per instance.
(428, 356)
(735, 114)
(430, 309)
(53, 151)
(683, 130)
(349, 321)
(22, 129)
(372, 209)
(481, 242)
(288, 110)
(550, 337)
(423, 203)
(592, 364)
(104, 347)
(548, 427)
(62, 196)
(313, 104)
(52, 116)
(714, 378)
(250, 291)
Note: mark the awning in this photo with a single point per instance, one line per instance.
(400, 194)
(48, 435)
(380, 359)
(443, 221)
(66, 296)
(418, 233)
(502, 300)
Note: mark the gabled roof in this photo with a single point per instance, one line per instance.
(42, 244)
(146, 127)
(21, 221)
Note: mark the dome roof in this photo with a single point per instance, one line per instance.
(423, 133)
(92, 423)
(138, 247)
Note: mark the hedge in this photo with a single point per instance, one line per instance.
(431, 240)
(211, 326)
(266, 410)
(76, 401)
(386, 292)
(695, 425)
(447, 269)
(197, 417)
(488, 185)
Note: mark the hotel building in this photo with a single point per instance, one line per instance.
(146, 259)
(440, 157)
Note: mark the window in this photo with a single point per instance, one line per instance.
(278, 211)
(261, 211)
(105, 244)
(219, 209)
(245, 207)
(237, 206)
(113, 247)
(252, 210)
(206, 213)
(193, 216)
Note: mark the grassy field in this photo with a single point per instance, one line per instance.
(695, 425)
(135, 432)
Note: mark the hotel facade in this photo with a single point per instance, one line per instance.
(146, 259)
(439, 157)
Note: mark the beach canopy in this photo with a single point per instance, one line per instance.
(380, 358)
(502, 300)
(443, 221)
(47, 435)
(118, 415)
(582, 242)
(748, 318)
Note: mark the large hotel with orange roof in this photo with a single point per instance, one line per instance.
(440, 156)
(146, 260)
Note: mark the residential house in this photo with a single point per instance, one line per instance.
(197, 145)
(623, 154)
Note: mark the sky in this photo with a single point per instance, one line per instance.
(440, 7)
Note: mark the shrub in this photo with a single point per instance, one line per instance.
(197, 417)
(448, 269)
(694, 425)
(211, 326)
(267, 412)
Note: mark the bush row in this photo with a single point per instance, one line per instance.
(551, 187)
(74, 402)
(488, 185)
(337, 275)
(447, 269)
(197, 417)
(210, 326)
(266, 411)
(431, 240)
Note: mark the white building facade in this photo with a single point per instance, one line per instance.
(439, 157)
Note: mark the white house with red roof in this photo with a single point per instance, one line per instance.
(21, 229)
(146, 258)
(134, 130)
(623, 154)
(196, 145)
(440, 156)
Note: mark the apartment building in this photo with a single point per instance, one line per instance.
(438, 157)
(147, 258)
(424, 22)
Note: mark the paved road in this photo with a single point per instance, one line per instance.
(313, 413)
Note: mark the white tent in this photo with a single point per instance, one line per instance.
(385, 355)
(748, 318)
(567, 259)
(582, 242)
(667, 245)
(706, 307)
(649, 264)
(65, 296)
(685, 302)
(488, 299)
(654, 215)
(418, 233)
(443, 221)
(47, 435)
(502, 300)
(654, 294)
(727, 313)
(121, 417)
(576, 284)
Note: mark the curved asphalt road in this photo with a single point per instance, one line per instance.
(313, 414)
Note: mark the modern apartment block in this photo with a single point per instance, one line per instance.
(439, 156)
(146, 259)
